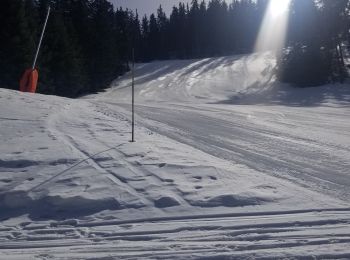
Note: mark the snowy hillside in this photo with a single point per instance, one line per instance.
(227, 163)
(242, 79)
(212, 79)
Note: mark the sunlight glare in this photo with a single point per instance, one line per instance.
(279, 7)
(273, 30)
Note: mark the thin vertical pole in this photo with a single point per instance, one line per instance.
(41, 38)
(133, 95)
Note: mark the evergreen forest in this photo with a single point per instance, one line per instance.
(89, 43)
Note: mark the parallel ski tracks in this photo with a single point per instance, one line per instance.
(137, 170)
(232, 234)
(239, 235)
(316, 177)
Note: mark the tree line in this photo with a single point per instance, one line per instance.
(88, 43)
(318, 39)
(199, 29)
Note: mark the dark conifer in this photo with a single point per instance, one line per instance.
(17, 40)
(88, 43)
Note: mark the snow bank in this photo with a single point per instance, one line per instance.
(209, 80)
(239, 79)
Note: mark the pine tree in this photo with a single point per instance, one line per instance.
(304, 25)
(135, 35)
(306, 62)
(182, 32)
(194, 29)
(202, 29)
(145, 46)
(335, 31)
(104, 52)
(153, 37)
(217, 18)
(162, 22)
(60, 65)
(174, 37)
(17, 41)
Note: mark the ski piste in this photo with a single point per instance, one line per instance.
(209, 176)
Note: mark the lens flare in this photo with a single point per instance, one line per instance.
(273, 30)
(279, 7)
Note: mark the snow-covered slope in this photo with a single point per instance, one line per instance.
(227, 163)
(209, 80)
(242, 79)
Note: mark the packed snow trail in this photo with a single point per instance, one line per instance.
(293, 143)
(234, 109)
(227, 164)
(224, 209)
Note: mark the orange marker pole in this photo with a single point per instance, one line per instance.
(29, 79)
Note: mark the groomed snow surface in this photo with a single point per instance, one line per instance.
(228, 164)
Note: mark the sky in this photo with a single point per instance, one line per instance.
(147, 6)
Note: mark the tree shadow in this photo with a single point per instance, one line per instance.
(287, 95)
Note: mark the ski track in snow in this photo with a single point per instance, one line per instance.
(136, 172)
(220, 170)
(261, 236)
(308, 160)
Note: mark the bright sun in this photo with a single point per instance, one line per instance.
(278, 7)
(273, 29)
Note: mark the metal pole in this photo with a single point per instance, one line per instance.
(133, 95)
(41, 38)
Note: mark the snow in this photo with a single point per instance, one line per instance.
(227, 164)
(210, 79)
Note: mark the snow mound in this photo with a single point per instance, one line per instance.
(209, 80)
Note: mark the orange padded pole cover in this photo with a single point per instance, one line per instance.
(29, 81)
(24, 80)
